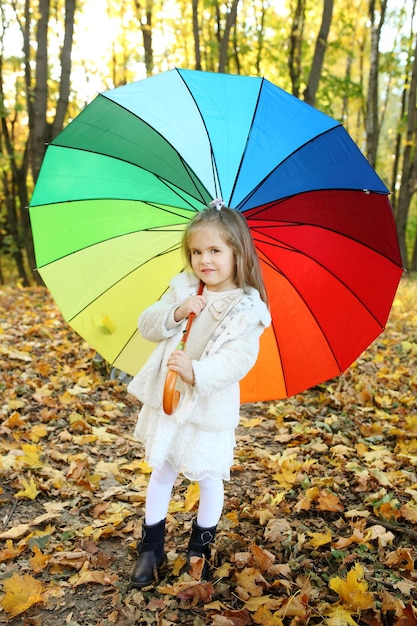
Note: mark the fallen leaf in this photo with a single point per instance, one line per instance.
(20, 593)
(353, 591)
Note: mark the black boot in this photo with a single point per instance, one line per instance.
(199, 545)
(152, 556)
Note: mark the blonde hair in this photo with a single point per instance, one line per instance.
(235, 232)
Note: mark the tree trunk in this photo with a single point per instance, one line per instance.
(296, 39)
(403, 111)
(196, 35)
(224, 44)
(413, 266)
(320, 49)
(39, 104)
(372, 123)
(260, 38)
(145, 18)
(39, 132)
(408, 174)
(13, 189)
(65, 82)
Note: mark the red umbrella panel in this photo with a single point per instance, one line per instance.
(331, 264)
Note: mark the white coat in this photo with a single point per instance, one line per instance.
(212, 402)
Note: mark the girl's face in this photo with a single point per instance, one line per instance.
(212, 260)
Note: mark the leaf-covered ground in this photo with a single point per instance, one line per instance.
(320, 518)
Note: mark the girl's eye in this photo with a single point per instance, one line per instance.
(215, 250)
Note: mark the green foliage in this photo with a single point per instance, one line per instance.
(108, 51)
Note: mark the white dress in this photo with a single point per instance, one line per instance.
(194, 452)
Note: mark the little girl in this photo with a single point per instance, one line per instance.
(198, 439)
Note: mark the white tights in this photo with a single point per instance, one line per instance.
(159, 491)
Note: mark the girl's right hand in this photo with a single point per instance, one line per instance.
(193, 304)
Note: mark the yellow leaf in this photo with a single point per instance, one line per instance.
(192, 496)
(11, 552)
(357, 513)
(338, 616)
(233, 518)
(15, 532)
(21, 592)
(37, 432)
(409, 512)
(86, 576)
(401, 558)
(175, 506)
(250, 422)
(39, 560)
(353, 591)
(103, 435)
(252, 581)
(320, 539)
(289, 471)
(271, 602)
(263, 558)
(265, 617)
(137, 466)
(30, 490)
(223, 571)
(329, 502)
(31, 456)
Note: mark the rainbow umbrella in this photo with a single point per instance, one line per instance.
(119, 184)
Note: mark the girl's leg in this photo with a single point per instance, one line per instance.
(151, 550)
(204, 528)
(158, 494)
(211, 502)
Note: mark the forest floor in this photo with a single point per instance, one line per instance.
(320, 516)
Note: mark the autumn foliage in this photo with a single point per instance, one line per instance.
(320, 520)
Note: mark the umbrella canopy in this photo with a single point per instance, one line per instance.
(119, 184)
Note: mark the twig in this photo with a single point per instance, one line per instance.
(9, 516)
(394, 527)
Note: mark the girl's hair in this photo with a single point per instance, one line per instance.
(236, 234)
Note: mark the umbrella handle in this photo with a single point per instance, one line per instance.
(171, 396)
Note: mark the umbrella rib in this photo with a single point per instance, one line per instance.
(164, 181)
(188, 169)
(216, 180)
(159, 229)
(327, 229)
(98, 296)
(326, 269)
(273, 266)
(247, 141)
(289, 156)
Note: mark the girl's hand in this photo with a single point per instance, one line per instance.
(193, 304)
(181, 363)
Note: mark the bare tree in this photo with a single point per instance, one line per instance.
(224, 44)
(295, 47)
(145, 17)
(409, 166)
(320, 49)
(39, 103)
(196, 35)
(372, 122)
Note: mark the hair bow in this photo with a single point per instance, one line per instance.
(218, 204)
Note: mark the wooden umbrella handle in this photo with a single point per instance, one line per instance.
(171, 396)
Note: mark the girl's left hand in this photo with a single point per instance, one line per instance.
(180, 362)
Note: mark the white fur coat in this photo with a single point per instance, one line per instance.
(212, 403)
